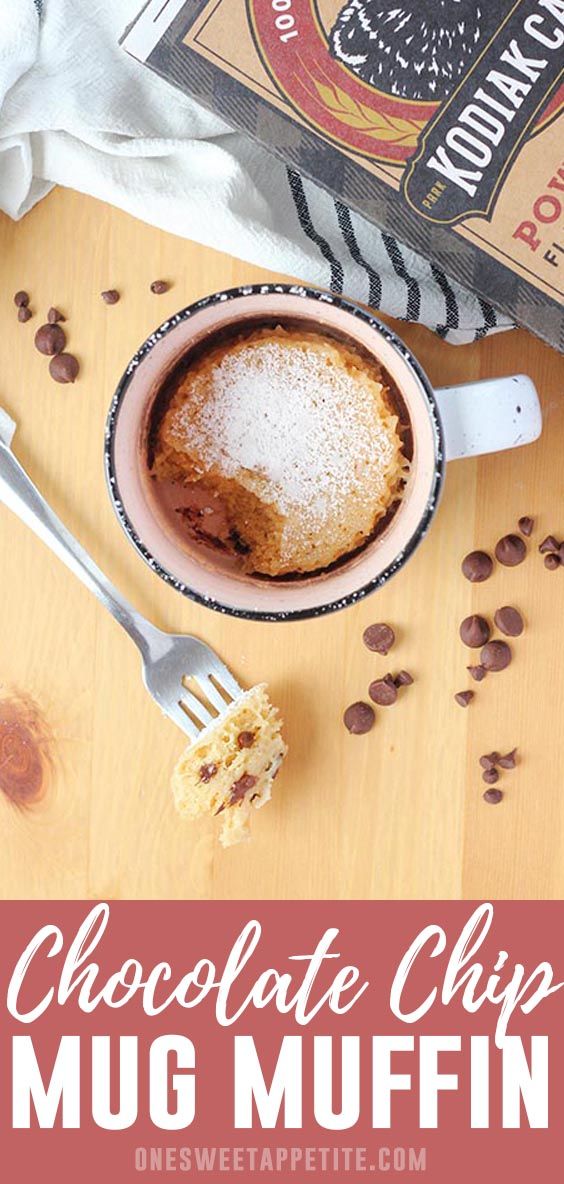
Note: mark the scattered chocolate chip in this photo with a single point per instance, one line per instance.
(509, 621)
(403, 679)
(493, 797)
(379, 638)
(24, 313)
(463, 698)
(496, 655)
(359, 718)
(207, 772)
(50, 340)
(477, 567)
(64, 368)
(159, 287)
(110, 296)
(21, 299)
(54, 316)
(489, 760)
(383, 691)
(552, 561)
(510, 550)
(245, 739)
(526, 525)
(548, 545)
(241, 787)
(490, 776)
(474, 631)
(478, 673)
(508, 761)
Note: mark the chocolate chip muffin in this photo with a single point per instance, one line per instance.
(290, 446)
(229, 770)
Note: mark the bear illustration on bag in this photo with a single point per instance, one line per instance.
(416, 51)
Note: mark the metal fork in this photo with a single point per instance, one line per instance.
(169, 660)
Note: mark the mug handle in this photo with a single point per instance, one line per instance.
(490, 416)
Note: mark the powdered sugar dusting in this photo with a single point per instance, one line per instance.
(313, 432)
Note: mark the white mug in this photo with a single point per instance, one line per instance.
(447, 424)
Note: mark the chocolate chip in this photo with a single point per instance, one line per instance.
(478, 673)
(509, 621)
(510, 550)
(493, 797)
(110, 296)
(552, 561)
(548, 545)
(383, 691)
(359, 718)
(496, 655)
(508, 761)
(245, 739)
(207, 772)
(379, 638)
(54, 316)
(50, 340)
(239, 544)
(490, 776)
(526, 525)
(159, 287)
(21, 299)
(474, 631)
(24, 313)
(242, 786)
(403, 679)
(64, 368)
(477, 567)
(463, 698)
(489, 760)
(561, 552)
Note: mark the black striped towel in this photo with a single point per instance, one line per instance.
(100, 122)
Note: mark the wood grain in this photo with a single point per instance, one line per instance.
(398, 813)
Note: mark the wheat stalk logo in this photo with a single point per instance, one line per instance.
(391, 129)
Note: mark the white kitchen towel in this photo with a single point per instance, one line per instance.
(75, 110)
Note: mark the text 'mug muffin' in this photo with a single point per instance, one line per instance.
(287, 448)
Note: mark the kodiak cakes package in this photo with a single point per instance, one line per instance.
(440, 120)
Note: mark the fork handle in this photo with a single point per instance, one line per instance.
(20, 495)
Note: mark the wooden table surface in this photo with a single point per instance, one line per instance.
(397, 813)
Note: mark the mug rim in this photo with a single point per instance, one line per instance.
(325, 297)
